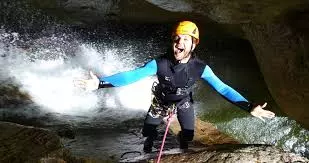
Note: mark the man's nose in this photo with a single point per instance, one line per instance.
(180, 41)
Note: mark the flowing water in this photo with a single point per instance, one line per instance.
(107, 122)
(44, 68)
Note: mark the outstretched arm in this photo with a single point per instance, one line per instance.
(225, 90)
(119, 79)
(128, 77)
(233, 96)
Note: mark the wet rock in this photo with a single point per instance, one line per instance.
(52, 160)
(281, 50)
(65, 156)
(228, 153)
(66, 130)
(20, 144)
(236, 153)
(11, 96)
(21, 15)
(234, 12)
(205, 133)
(81, 12)
(25, 144)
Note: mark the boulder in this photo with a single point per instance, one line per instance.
(20, 143)
(236, 153)
(205, 133)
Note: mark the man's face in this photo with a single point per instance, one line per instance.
(182, 45)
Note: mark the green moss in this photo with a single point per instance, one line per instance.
(221, 115)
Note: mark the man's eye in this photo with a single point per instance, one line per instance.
(176, 38)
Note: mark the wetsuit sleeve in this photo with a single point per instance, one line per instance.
(225, 90)
(128, 77)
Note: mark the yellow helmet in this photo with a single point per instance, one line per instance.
(187, 28)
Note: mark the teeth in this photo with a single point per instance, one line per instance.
(179, 50)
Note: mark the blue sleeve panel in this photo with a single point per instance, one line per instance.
(128, 77)
(220, 87)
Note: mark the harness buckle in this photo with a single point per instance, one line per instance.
(185, 105)
(181, 91)
(159, 110)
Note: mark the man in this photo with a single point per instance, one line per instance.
(176, 72)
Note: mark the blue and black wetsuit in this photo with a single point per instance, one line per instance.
(175, 83)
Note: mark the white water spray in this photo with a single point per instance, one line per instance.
(49, 82)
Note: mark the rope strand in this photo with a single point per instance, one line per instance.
(169, 119)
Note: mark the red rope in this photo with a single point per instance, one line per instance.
(169, 119)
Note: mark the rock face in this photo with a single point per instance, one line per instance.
(28, 144)
(236, 153)
(211, 145)
(205, 133)
(282, 53)
(11, 96)
(82, 12)
(19, 144)
(25, 144)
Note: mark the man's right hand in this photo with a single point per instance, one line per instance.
(88, 84)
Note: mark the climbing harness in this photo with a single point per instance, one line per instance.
(158, 109)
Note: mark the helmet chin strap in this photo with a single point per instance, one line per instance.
(192, 45)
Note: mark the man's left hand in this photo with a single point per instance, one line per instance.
(259, 112)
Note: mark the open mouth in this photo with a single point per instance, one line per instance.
(179, 50)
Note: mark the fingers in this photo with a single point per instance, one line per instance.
(92, 75)
(79, 83)
(87, 84)
(264, 105)
(261, 113)
(268, 114)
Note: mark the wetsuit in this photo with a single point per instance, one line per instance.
(175, 87)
